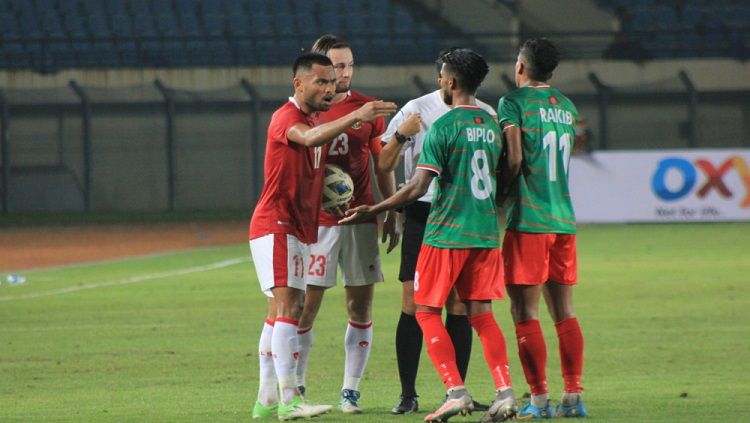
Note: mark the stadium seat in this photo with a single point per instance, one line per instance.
(145, 33)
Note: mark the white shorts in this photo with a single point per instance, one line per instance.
(280, 261)
(354, 248)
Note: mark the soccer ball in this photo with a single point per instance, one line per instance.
(338, 188)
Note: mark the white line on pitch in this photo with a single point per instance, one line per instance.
(115, 260)
(132, 279)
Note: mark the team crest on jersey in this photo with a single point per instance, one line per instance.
(479, 120)
(357, 125)
(553, 100)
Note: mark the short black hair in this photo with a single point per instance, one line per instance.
(329, 42)
(468, 67)
(439, 61)
(541, 57)
(307, 60)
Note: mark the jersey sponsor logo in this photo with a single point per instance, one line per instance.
(676, 177)
(553, 115)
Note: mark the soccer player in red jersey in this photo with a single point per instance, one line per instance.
(284, 223)
(352, 248)
(539, 248)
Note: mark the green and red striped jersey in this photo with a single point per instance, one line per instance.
(540, 199)
(463, 147)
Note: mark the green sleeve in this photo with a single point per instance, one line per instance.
(509, 112)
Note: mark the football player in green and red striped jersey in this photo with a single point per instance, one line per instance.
(539, 248)
(460, 247)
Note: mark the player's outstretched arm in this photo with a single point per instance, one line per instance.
(325, 133)
(409, 193)
(512, 165)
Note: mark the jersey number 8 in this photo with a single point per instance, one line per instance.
(481, 185)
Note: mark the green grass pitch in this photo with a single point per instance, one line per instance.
(665, 311)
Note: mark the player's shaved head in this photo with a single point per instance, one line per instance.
(468, 67)
(305, 62)
(329, 42)
(540, 57)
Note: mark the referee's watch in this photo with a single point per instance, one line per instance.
(400, 138)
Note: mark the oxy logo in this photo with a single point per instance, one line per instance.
(714, 178)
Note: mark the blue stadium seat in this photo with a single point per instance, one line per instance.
(115, 7)
(239, 25)
(330, 22)
(51, 24)
(189, 25)
(700, 27)
(96, 33)
(355, 22)
(74, 25)
(28, 23)
(9, 26)
(261, 24)
(284, 24)
(186, 7)
(259, 6)
(215, 7)
(44, 6)
(68, 6)
(306, 24)
(213, 25)
(122, 26)
(166, 24)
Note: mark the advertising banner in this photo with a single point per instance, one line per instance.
(661, 186)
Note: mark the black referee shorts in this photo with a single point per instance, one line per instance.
(414, 225)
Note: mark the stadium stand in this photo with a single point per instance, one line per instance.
(49, 35)
(680, 29)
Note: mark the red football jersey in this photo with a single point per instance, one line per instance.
(293, 187)
(351, 150)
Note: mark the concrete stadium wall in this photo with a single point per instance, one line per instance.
(720, 74)
(214, 166)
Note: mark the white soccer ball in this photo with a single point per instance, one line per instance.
(338, 188)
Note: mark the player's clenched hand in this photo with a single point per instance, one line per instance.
(411, 125)
(375, 109)
(358, 214)
(392, 229)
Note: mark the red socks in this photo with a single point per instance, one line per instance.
(533, 353)
(439, 347)
(493, 345)
(571, 353)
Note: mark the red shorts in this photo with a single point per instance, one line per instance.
(533, 259)
(477, 274)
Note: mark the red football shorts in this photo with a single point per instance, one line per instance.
(477, 274)
(533, 259)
